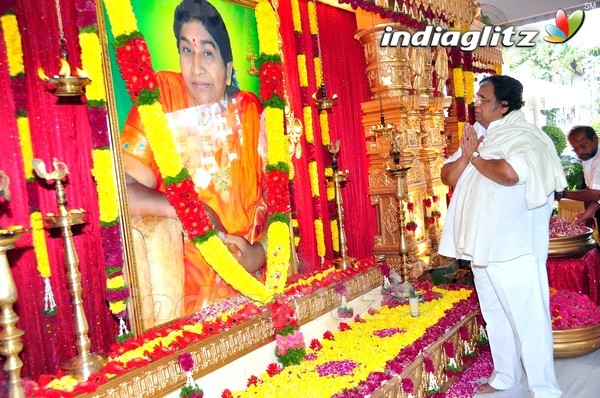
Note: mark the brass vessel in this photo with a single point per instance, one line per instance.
(571, 343)
(571, 246)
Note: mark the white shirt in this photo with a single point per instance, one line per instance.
(591, 172)
(518, 231)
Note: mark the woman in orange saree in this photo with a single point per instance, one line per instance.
(217, 131)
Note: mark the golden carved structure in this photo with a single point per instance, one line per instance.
(401, 82)
(163, 376)
(10, 337)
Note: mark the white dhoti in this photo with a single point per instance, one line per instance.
(514, 296)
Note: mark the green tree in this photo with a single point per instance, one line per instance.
(553, 63)
(557, 136)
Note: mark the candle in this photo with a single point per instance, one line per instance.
(413, 303)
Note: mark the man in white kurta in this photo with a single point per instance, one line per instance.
(584, 141)
(505, 175)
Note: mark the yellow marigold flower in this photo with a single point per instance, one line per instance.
(267, 25)
(318, 71)
(117, 306)
(278, 145)
(324, 119)
(161, 140)
(121, 16)
(216, 253)
(26, 148)
(39, 244)
(115, 283)
(278, 256)
(459, 88)
(103, 173)
(296, 16)
(312, 18)
(460, 126)
(330, 191)
(314, 178)
(12, 39)
(195, 328)
(91, 62)
(308, 124)
(320, 237)
(469, 87)
(335, 235)
(302, 72)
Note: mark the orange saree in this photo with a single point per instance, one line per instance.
(224, 161)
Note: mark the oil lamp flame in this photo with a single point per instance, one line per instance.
(65, 85)
(65, 68)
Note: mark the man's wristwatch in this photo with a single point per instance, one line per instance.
(474, 155)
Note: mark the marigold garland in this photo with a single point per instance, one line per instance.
(117, 291)
(16, 68)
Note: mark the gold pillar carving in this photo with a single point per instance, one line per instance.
(401, 83)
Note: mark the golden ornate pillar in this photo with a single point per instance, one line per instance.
(401, 83)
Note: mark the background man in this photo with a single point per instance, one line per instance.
(584, 141)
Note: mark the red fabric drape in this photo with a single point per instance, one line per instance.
(338, 47)
(302, 199)
(58, 129)
(579, 275)
(344, 73)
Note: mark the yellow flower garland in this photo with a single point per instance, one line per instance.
(39, 244)
(324, 121)
(335, 235)
(469, 87)
(278, 248)
(302, 73)
(314, 178)
(91, 62)
(122, 18)
(296, 16)
(268, 28)
(459, 87)
(12, 38)
(26, 146)
(320, 237)
(277, 148)
(103, 173)
(308, 124)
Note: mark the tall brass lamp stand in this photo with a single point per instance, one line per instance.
(85, 363)
(338, 177)
(10, 337)
(399, 173)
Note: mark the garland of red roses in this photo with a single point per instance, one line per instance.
(290, 347)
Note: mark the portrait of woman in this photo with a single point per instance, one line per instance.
(216, 127)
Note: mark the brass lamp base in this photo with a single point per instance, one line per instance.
(344, 262)
(82, 366)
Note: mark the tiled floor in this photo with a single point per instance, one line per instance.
(577, 377)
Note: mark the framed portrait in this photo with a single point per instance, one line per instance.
(154, 245)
